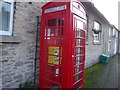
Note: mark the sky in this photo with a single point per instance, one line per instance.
(109, 8)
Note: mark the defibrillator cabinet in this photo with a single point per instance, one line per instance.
(62, 45)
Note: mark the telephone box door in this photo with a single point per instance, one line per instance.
(79, 51)
(53, 48)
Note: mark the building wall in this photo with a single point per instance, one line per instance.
(114, 42)
(18, 51)
(93, 51)
(106, 39)
(119, 41)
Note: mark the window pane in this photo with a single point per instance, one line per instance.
(96, 37)
(5, 15)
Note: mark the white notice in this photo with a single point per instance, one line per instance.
(54, 9)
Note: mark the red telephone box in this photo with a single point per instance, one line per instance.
(62, 45)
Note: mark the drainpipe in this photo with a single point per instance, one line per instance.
(36, 53)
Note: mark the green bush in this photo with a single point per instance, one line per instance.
(26, 86)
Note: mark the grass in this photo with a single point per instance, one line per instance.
(91, 75)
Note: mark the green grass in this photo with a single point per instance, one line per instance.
(92, 74)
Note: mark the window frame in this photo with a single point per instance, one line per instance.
(109, 31)
(98, 35)
(116, 33)
(109, 45)
(113, 31)
(9, 32)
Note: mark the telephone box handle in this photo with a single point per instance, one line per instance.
(72, 57)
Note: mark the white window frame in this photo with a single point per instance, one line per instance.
(116, 33)
(98, 35)
(109, 45)
(9, 32)
(113, 31)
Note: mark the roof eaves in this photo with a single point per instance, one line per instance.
(115, 27)
(91, 6)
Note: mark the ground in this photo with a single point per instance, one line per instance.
(103, 75)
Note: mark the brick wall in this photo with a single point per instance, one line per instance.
(94, 50)
(18, 51)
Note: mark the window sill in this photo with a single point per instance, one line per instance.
(96, 43)
(10, 39)
(86, 43)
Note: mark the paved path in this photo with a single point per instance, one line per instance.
(110, 77)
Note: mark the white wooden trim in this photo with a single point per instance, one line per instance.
(97, 41)
(9, 32)
(108, 46)
(10, 1)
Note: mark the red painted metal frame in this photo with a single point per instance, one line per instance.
(69, 56)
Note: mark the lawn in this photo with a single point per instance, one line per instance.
(92, 74)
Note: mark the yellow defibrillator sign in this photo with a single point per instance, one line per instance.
(53, 58)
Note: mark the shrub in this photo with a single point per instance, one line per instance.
(26, 86)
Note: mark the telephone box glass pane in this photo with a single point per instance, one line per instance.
(78, 51)
(54, 37)
(79, 24)
(62, 21)
(53, 32)
(78, 59)
(54, 22)
(80, 33)
(78, 42)
(54, 41)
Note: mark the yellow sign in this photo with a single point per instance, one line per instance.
(55, 52)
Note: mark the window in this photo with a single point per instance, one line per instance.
(113, 31)
(109, 45)
(109, 31)
(116, 33)
(97, 37)
(96, 25)
(6, 17)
